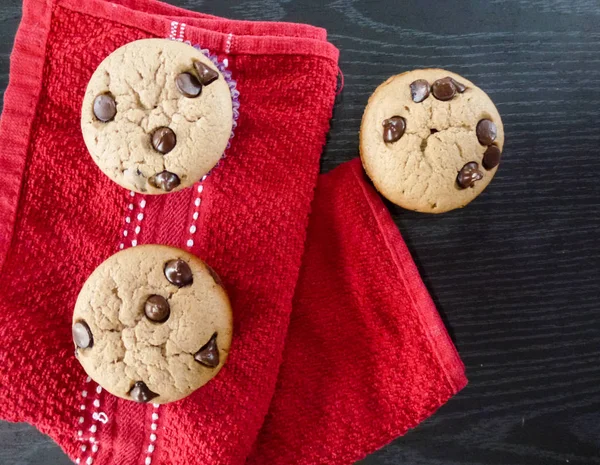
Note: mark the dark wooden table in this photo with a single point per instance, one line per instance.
(516, 275)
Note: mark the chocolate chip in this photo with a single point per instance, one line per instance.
(444, 89)
(105, 107)
(82, 335)
(468, 175)
(393, 128)
(419, 90)
(178, 272)
(188, 85)
(486, 132)
(141, 393)
(459, 87)
(206, 74)
(163, 140)
(165, 180)
(157, 308)
(208, 355)
(491, 157)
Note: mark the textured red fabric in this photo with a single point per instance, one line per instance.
(366, 355)
(251, 229)
(60, 217)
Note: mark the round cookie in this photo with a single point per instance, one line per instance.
(152, 323)
(430, 140)
(156, 116)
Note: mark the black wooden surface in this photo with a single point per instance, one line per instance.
(516, 274)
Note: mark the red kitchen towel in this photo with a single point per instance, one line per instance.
(60, 218)
(367, 355)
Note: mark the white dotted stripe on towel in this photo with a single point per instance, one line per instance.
(92, 446)
(229, 43)
(197, 202)
(81, 419)
(139, 216)
(133, 221)
(173, 35)
(128, 220)
(153, 437)
(181, 32)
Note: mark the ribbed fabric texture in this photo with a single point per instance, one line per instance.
(366, 356)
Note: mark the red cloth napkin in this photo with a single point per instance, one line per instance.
(365, 356)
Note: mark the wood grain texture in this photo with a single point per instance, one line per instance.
(516, 274)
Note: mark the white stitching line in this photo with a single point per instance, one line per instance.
(81, 419)
(96, 416)
(153, 428)
(197, 203)
(173, 34)
(138, 218)
(229, 42)
(181, 32)
(133, 217)
(125, 232)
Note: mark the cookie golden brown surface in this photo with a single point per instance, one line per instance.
(156, 116)
(430, 140)
(152, 324)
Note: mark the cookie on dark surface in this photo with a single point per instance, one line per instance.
(430, 140)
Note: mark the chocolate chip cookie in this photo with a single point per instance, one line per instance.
(430, 140)
(156, 116)
(152, 324)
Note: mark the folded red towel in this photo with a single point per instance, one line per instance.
(367, 355)
(60, 217)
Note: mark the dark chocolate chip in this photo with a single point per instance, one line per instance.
(178, 272)
(459, 87)
(188, 85)
(393, 129)
(468, 175)
(214, 276)
(486, 132)
(165, 180)
(419, 90)
(157, 308)
(82, 335)
(105, 107)
(164, 140)
(206, 74)
(208, 355)
(141, 393)
(444, 89)
(491, 157)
